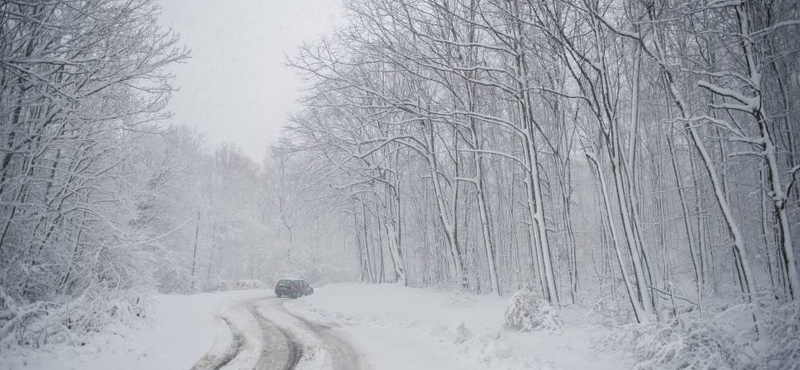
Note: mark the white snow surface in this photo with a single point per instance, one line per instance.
(179, 331)
(396, 327)
(392, 327)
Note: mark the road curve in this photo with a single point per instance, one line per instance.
(281, 351)
(341, 353)
(289, 341)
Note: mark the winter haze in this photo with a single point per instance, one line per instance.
(239, 52)
(399, 184)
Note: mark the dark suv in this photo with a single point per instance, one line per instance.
(292, 288)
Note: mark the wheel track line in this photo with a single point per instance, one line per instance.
(294, 351)
(213, 362)
(342, 353)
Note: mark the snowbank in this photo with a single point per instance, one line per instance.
(178, 332)
(228, 285)
(404, 328)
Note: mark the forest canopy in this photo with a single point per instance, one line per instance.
(644, 148)
(636, 156)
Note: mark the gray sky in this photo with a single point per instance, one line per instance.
(235, 87)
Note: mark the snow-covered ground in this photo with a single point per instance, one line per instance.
(389, 327)
(178, 332)
(406, 328)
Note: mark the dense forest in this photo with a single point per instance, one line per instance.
(645, 148)
(638, 154)
(101, 203)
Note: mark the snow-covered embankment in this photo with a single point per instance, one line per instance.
(406, 328)
(179, 331)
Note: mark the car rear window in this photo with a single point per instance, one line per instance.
(284, 282)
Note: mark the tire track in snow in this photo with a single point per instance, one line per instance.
(216, 362)
(280, 350)
(287, 341)
(325, 346)
(343, 355)
(295, 352)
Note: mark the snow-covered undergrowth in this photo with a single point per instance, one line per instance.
(228, 285)
(65, 320)
(526, 313)
(403, 328)
(723, 336)
(177, 331)
(780, 341)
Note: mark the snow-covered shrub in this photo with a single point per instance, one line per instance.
(609, 313)
(72, 320)
(171, 275)
(781, 337)
(688, 344)
(722, 337)
(462, 334)
(249, 284)
(226, 285)
(527, 313)
(719, 338)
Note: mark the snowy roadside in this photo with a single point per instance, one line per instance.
(403, 328)
(390, 326)
(178, 332)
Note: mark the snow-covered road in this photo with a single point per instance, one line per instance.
(286, 341)
(340, 327)
(279, 349)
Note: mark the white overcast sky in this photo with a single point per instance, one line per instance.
(235, 88)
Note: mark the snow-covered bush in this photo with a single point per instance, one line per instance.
(610, 313)
(687, 344)
(462, 334)
(171, 274)
(527, 313)
(72, 321)
(722, 337)
(244, 284)
(781, 337)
